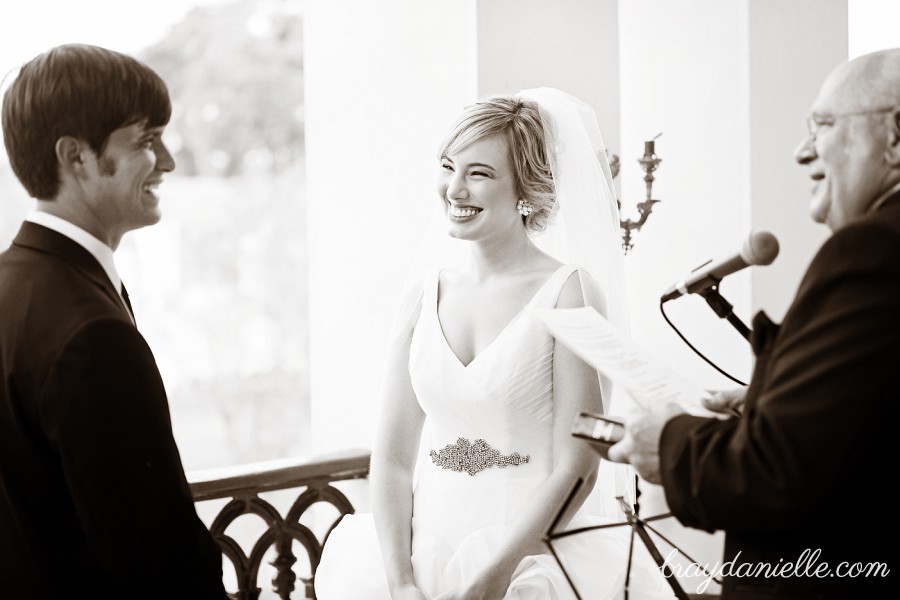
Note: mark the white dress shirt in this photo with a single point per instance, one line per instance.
(97, 249)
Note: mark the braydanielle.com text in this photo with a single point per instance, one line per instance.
(807, 565)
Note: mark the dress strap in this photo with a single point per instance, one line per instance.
(432, 285)
(550, 290)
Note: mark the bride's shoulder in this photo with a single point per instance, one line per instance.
(450, 277)
(580, 289)
(545, 266)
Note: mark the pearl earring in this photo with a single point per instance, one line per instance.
(524, 208)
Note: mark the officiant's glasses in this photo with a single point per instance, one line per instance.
(815, 122)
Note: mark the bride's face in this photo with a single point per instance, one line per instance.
(477, 187)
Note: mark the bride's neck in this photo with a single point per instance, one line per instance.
(511, 253)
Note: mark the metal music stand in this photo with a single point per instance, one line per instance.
(639, 527)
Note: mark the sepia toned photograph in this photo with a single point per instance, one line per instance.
(461, 300)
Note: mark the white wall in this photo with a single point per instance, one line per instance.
(873, 25)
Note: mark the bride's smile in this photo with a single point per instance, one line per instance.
(463, 212)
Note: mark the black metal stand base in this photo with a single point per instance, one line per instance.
(639, 527)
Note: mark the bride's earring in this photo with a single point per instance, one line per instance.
(524, 208)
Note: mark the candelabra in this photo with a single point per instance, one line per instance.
(649, 162)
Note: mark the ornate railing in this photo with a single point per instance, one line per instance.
(244, 483)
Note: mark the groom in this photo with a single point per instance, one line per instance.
(801, 482)
(93, 497)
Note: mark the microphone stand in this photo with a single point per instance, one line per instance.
(723, 309)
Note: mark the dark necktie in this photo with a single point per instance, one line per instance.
(128, 303)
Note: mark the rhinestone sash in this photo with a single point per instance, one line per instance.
(473, 457)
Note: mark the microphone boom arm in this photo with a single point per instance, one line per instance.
(724, 309)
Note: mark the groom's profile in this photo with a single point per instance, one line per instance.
(93, 497)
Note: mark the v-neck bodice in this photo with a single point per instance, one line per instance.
(504, 396)
(537, 296)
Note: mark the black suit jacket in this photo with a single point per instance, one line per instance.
(93, 497)
(808, 467)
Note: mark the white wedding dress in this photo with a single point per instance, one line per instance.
(504, 397)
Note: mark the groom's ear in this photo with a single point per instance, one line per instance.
(70, 155)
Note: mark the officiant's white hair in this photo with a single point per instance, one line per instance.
(519, 122)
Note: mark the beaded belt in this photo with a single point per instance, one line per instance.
(473, 457)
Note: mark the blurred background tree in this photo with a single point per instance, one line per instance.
(235, 73)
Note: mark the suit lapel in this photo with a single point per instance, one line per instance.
(41, 239)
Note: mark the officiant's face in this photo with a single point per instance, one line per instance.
(845, 152)
(478, 190)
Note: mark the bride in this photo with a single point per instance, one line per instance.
(473, 453)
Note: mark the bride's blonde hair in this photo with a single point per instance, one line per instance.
(519, 122)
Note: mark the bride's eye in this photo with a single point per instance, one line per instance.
(479, 174)
(447, 166)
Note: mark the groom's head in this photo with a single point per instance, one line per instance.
(80, 92)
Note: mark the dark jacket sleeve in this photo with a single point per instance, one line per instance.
(821, 406)
(105, 411)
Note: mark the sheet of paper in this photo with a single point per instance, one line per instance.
(649, 382)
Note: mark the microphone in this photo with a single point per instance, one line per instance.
(761, 248)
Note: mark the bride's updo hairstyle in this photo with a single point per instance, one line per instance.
(519, 121)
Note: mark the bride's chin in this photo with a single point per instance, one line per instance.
(456, 232)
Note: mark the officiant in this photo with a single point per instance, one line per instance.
(795, 481)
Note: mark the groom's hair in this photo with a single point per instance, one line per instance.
(77, 90)
(519, 122)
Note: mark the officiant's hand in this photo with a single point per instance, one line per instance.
(640, 446)
(729, 402)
